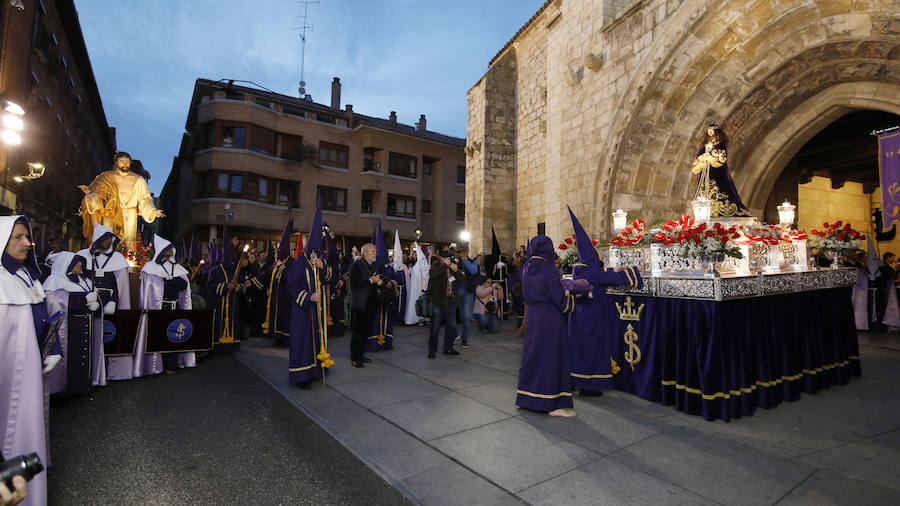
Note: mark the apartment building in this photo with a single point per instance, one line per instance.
(253, 158)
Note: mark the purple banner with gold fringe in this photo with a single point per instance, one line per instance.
(889, 168)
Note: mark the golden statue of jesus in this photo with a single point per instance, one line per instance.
(115, 199)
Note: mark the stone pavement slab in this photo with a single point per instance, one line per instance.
(445, 431)
(514, 454)
(605, 481)
(714, 467)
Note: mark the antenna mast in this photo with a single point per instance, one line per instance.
(303, 27)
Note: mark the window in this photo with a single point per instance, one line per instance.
(428, 164)
(293, 111)
(426, 206)
(292, 147)
(368, 202)
(288, 193)
(333, 199)
(369, 163)
(262, 140)
(326, 118)
(461, 174)
(402, 165)
(401, 206)
(334, 155)
(258, 188)
(263, 102)
(234, 137)
(229, 183)
(460, 212)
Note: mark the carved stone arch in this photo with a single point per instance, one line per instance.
(781, 142)
(746, 79)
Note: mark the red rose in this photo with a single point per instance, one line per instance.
(825, 224)
(862, 237)
(854, 234)
(660, 236)
(838, 223)
(594, 242)
(563, 246)
(847, 227)
(625, 231)
(696, 239)
(568, 240)
(709, 233)
(814, 231)
(667, 241)
(840, 236)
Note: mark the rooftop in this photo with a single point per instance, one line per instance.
(358, 119)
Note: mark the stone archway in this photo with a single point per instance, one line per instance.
(777, 146)
(756, 72)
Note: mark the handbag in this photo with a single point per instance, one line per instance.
(423, 306)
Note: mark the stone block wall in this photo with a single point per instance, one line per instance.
(610, 108)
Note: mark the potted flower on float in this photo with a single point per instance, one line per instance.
(568, 254)
(836, 239)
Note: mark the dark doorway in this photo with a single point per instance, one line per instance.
(843, 151)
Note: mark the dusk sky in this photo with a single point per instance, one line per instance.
(413, 57)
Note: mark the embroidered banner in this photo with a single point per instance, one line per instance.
(889, 168)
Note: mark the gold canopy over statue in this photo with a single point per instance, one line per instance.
(115, 199)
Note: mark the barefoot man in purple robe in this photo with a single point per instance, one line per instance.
(544, 381)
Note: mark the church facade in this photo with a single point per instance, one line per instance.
(602, 104)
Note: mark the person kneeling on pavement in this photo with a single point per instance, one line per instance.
(487, 308)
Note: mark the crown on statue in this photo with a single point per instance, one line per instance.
(627, 310)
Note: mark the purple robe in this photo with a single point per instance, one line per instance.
(308, 322)
(272, 282)
(151, 297)
(544, 381)
(381, 337)
(591, 350)
(225, 304)
(81, 338)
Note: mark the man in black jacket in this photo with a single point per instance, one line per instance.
(444, 280)
(363, 280)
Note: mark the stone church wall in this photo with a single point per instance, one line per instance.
(611, 97)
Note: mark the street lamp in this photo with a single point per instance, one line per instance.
(11, 123)
(464, 236)
(418, 233)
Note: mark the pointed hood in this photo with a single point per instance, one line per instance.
(284, 245)
(333, 259)
(381, 259)
(587, 254)
(299, 248)
(495, 246)
(421, 261)
(158, 266)
(314, 241)
(229, 258)
(100, 234)
(874, 262)
(398, 252)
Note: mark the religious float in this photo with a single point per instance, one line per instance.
(732, 313)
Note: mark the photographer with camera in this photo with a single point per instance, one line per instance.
(444, 281)
(487, 306)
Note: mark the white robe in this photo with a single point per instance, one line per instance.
(416, 285)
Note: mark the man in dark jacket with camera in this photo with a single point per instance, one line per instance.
(444, 280)
(363, 280)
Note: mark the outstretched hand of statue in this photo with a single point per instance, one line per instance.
(157, 213)
(91, 200)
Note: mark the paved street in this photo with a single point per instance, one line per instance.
(445, 431)
(212, 435)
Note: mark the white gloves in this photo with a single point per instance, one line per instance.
(109, 308)
(93, 306)
(91, 297)
(50, 362)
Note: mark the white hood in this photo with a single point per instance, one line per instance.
(421, 261)
(398, 253)
(168, 270)
(13, 289)
(109, 260)
(58, 279)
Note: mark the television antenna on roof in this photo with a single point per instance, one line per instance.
(304, 25)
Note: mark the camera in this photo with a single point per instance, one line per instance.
(25, 466)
